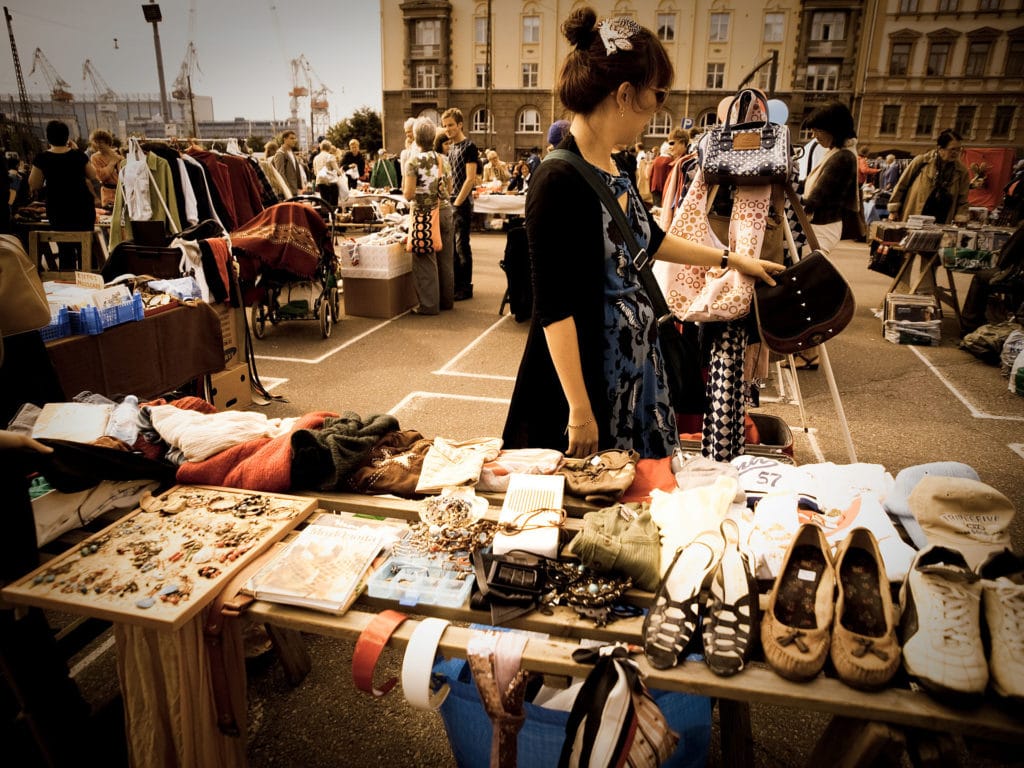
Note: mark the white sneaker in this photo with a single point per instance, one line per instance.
(940, 628)
(1002, 592)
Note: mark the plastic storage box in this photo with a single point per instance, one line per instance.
(91, 321)
(411, 581)
(59, 327)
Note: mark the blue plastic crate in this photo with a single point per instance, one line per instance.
(59, 327)
(91, 321)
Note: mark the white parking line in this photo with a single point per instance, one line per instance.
(974, 411)
(93, 655)
(1017, 448)
(444, 396)
(444, 370)
(329, 353)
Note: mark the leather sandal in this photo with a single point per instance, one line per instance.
(673, 617)
(731, 611)
(802, 362)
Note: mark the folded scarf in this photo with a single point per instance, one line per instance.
(200, 435)
(263, 464)
(323, 459)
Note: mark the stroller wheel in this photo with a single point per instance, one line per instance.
(259, 320)
(326, 319)
(336, 303)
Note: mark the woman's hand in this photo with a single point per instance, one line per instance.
(15, 441)
(759, 268)
(583, 435)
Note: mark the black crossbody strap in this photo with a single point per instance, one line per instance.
(641, 259)
(801, 215)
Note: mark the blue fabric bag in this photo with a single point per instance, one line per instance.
(541, 738)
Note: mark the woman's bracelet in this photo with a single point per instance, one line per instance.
(586, 423)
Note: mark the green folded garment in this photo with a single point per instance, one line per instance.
(621, 538)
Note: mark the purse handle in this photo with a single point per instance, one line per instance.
(641, 259)
(801, 214)
(728, 125)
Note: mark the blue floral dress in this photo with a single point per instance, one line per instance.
(642, 418)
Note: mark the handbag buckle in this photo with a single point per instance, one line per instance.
(642, 259)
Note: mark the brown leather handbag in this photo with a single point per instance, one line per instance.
(23, 305)
(602, 477)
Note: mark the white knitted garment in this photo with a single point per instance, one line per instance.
(200, 435)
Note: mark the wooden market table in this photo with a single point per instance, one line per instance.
(929, 262)
(863, 723)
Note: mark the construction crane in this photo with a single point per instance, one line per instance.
(60, 89)
(182, 83)
(104, 93)
(23, 102)
(303, 79)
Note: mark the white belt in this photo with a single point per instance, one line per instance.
(418, 665)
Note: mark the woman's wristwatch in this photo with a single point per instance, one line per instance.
(725, 258)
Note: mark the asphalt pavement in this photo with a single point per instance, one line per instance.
(452, 375)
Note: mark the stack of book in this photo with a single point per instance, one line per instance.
(912, 319)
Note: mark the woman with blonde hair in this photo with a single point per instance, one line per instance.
(106, 161)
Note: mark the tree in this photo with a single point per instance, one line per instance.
(256, 143)
(364, 125)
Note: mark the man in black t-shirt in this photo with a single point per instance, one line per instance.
(463, 156)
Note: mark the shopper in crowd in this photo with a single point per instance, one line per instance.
(15, 182)
(556, 132)
(592, 375)
(935, 183)
(533, 159)
(496, 169)
(107, 162)
(326, 172)
(463, 157)
(660, 167)
(287, 164)
(69, 181)
(427, 183)
(409, 147)
(674, 186)
(354, 160)
(520, 177)
(889, 174)
(866, 172)
(831, 194)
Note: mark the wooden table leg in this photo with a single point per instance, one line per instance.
(291, 651)
(847, 742)
(734, 728)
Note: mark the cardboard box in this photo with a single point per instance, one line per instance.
(388, 297)
(229, 389)
(232, 328)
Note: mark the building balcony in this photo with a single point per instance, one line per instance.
(430, 51)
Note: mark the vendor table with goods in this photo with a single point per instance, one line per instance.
(174, 630)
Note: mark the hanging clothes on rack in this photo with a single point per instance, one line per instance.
(182, 185)
(146, 193)
(220, 181)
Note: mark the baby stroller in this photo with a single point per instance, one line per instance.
(286, 251)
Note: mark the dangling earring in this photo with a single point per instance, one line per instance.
(622, 113)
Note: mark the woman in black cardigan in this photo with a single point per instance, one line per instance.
(592, 375)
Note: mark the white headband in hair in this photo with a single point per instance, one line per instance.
(615, 34)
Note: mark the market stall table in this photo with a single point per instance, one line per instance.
(147, 358)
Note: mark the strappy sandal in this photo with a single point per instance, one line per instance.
(732, 606)
(673, 618)
(802, 362)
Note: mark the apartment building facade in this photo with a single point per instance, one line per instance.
(907, 68)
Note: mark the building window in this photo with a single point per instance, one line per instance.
(908, 6)
(774, 27)
(822, 77)
(708, 119)
(531, 29)
(716, 75)
(977, 58)
(964, 123)
(890, 119)
(531, 75)
(660, 125)
(426, 76)
(1002, 121)
(1014, 59)
(764, 79)
(938, 55)
(480, 30)
(828, 25)
(988, 5)
(481, 75)
(926, 120)
(481, 122)
(427, 37)
(666, 27)
(899, 59)
(948, 6)
(719, 28)
(529, 121)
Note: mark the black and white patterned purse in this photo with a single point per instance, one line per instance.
(748, 151)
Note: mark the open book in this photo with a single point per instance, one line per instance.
(323, 567)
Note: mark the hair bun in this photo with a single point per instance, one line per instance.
(581, 27)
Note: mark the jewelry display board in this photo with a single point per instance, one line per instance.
(160, 565)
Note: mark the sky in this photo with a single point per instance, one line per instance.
(245, 49)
